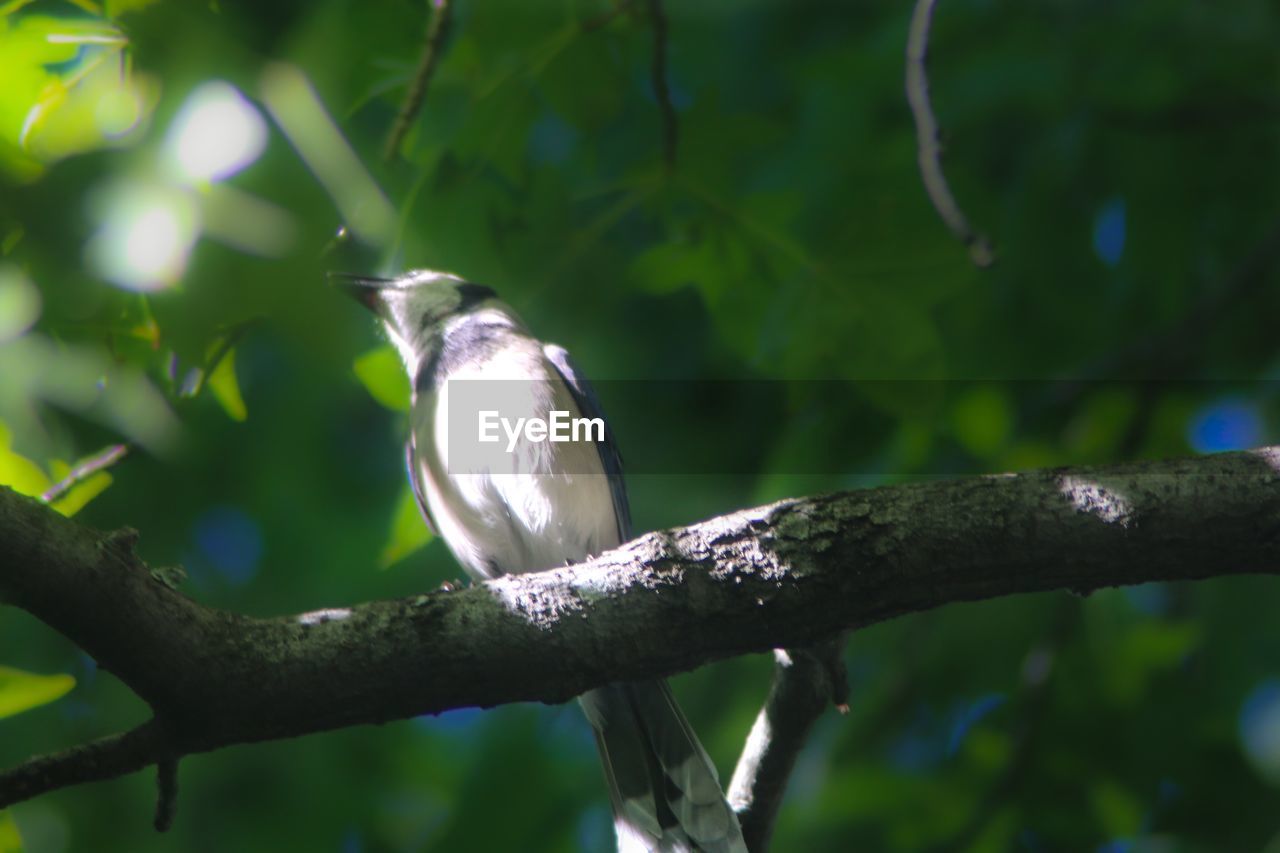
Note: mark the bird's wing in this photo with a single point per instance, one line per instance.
(584, 396)
(411, 464)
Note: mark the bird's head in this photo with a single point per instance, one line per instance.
(414, 306)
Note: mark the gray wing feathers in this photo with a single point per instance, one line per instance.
(411, 463)
(584, 396)
(665, 791)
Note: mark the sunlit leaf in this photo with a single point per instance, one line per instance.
(408, 530)
(116, 8)
(21, 691)
(225, 388)
(69, 87)
(13, 6)
(18, 472)
(10, 841)
(382, 373)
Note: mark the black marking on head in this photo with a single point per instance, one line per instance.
(473, 294)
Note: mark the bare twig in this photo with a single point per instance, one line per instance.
(431, 48)
(928, 146)
(661, 91)
(1037, 674)
(605, 18)
(195, 382)
(102, 459)
(1167, 354)
(112, 454)
(806, 682)
(166, 793)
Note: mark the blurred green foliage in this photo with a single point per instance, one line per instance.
(1125, 160)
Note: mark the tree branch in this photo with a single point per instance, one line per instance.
(928, 146)
(417, 93)
(99, 461)
(661, 91)
(787, 575)
(106, 758)
(805, 683)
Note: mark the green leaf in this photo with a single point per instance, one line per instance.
(408, 531)
(10, 841)
(381, 372)
(21, 691)
(116, 8)
(225, 388)
(1119, 812)
(983, 420)
(18, 472)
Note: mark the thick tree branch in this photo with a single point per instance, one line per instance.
(781, 576)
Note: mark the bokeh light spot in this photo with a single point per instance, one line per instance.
(1109, 232)
(216, 133)
(1260, 728)
(231, 541)
(146, 236)
(19, 303)
(1228, 424)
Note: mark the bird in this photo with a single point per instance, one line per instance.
(523, 505)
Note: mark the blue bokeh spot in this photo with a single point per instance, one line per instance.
(1260, 725)
(231, 542)
(1109, 231)
(1230, 424)
(551, 140)
(969, 716)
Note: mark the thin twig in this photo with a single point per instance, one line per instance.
(196, 383)
(109, 456)
(417, 93)
(805, 683)
(928, 146)
(602, 20)
(1038, 677)
(670, 130)
(103, 459)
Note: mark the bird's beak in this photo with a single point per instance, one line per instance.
(366, 290)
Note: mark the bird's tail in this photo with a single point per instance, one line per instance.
(666, 795)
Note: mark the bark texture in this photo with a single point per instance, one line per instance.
(790, 574)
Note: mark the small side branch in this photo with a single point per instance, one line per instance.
(431, 48)
(928, 146)
(106, 758)
(661, 91)
(86, 469)
(605, 18)
(805, 683)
